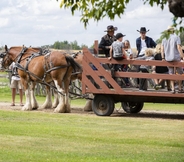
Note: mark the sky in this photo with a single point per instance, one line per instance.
(37, 23)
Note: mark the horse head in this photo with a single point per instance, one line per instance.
(5, 58)
(16, 54)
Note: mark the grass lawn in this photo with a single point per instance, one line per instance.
(38, 136)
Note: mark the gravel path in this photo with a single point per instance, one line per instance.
(117, 112)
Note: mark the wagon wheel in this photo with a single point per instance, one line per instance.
(103, 105)
(132, 107)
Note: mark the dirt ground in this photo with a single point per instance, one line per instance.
(117, 112)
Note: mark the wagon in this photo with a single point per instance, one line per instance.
(97, 80)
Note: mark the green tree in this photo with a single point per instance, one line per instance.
(163, 36)
(74, 45)
(56, 45)
(98, 9)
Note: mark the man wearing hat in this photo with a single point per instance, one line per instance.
(171, 51)
(144, 42)
(107, 39)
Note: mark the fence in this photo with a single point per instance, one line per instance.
(75, 87)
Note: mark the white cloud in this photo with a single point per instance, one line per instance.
(39, 23)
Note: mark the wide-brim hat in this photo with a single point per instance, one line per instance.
(119, 35)
(142, 29)
(170, 28)
(111, 28)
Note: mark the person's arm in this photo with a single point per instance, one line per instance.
(162, 52)
(102, 43)
(124, 53)
(180, 50)
(153, 44)
(110, 53)
(137, 46)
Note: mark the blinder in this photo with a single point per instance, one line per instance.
(2, 54)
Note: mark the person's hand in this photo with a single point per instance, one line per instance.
(107, 47)
(110, 58)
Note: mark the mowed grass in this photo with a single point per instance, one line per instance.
(39, 136)
(46, 136)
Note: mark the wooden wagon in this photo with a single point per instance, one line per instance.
(97, 80)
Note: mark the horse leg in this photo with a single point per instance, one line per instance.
(56, 100)
(48, 102)
(34, 103)
(66, 87)
(61, 106)
(64, 105)
(88, 105)
(27, 105)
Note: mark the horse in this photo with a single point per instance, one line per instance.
(78, 57)
(54, 67)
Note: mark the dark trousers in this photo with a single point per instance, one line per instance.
(117, 67)
(143, 85)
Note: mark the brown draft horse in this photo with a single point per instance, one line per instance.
(78, 57)
(53, 67)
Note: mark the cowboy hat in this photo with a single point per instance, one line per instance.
(170, 28)
(111, 28)
(142, 29)
(119, 35)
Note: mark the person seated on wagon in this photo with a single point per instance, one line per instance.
(142, 43)
(129, 55)
(171, 51)
(117, 52)
(145, 68)
(128, 49)
(160, 70)
(108, 39)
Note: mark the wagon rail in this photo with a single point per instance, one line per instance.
(100, 83)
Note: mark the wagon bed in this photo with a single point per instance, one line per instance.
(98, 81)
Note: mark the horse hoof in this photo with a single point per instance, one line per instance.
(26, 108)
(58, 111)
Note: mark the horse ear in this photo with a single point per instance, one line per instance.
(6, 48)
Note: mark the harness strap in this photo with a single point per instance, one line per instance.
(24, 49)
(30, 58)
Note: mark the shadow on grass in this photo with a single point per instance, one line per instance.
(152, 114)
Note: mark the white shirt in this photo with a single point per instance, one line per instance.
(143, 47)
(12, 67)
(128, 52)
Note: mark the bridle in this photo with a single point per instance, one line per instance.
(7, 58)
(2, 55)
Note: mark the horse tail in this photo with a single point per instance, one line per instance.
(73, 63)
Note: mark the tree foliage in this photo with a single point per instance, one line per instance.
(164, 35)
(65, 45)
(98, 9)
